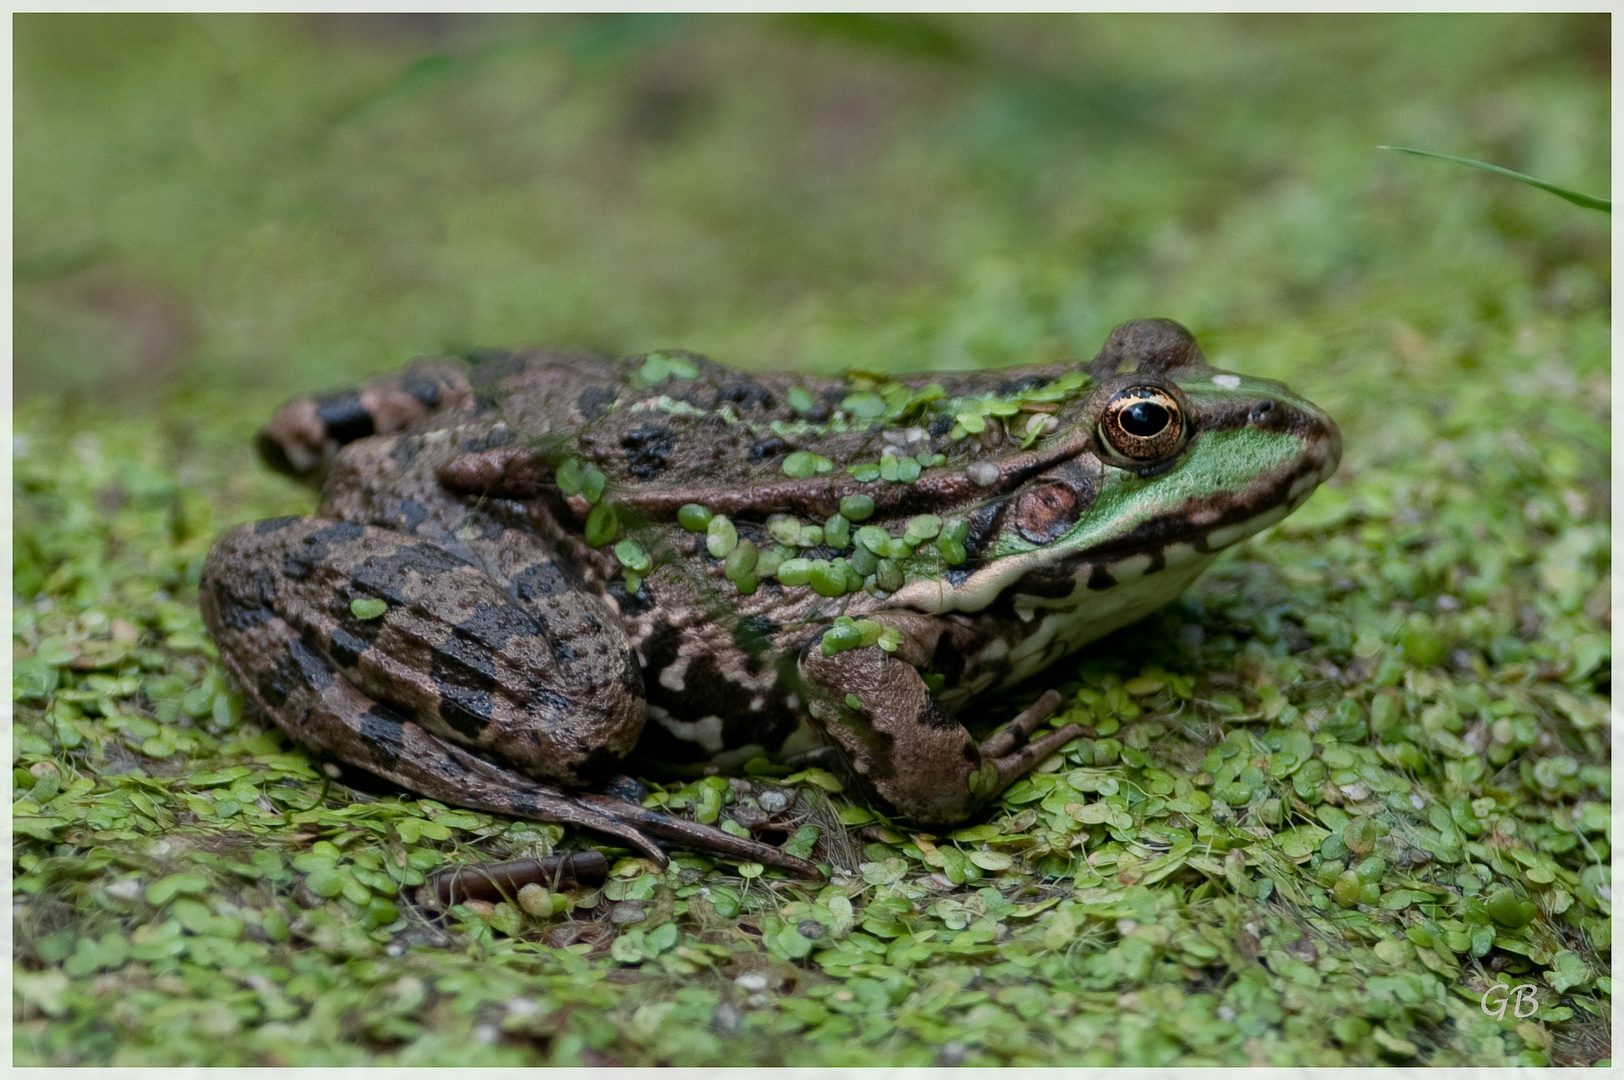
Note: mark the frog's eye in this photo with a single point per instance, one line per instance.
(1142, 423)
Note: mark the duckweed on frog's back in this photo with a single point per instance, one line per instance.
(533, 569)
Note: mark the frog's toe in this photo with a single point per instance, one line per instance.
(1004, 747)
(696, 837)
(1009, 736)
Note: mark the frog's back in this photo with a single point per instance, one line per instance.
(663, 421)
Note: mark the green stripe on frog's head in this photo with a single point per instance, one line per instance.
(1184, 460)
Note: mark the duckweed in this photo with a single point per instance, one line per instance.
(837, 531)
(828, 577)
(873, 538)
(602, 525)
(1417, 660)
(921, 528)
(720, 536)
(741, 561)
(693, 517)
(856, 507)
(633, 557)
(658, 367)
(796, 571)
(368, 607)
(803, 464)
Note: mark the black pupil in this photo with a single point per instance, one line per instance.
(1144, 419)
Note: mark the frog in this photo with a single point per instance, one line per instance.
(534, 571)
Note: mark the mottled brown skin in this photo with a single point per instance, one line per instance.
(511, 668)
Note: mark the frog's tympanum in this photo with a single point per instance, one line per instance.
(532, 570)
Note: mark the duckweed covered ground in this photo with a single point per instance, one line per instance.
(1357, 776)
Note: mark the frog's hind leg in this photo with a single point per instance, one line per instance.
(319, 709)
(391, 654)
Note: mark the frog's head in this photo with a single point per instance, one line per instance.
(1174, 460)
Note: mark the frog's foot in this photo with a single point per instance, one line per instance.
(694, 836)
(1000, 746)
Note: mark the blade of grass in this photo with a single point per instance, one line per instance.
(1589, 202)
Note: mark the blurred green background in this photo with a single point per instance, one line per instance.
(263, 204)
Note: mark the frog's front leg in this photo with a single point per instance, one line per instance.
(396, 656)
(911, 758)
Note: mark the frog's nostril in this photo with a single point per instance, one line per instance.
(1261, 410)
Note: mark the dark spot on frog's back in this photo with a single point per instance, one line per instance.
(487, 366)
(244, 612)
(405, 451)
(299, 667)
(408, 515)
(344, 417)
(277, 524)
(1010, 387)
(542, 579)
(768, 449)
(386, 574)
(494, 625)
(754, 634)
(648, 450)
(594, 401)
(984, 525)
(346, 647)
(490, 440)
(316, 547)
(424, 388)
(383, 733)
(746, 395)
(465, 711)
(337, 532)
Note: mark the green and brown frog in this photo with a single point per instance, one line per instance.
(532, 570)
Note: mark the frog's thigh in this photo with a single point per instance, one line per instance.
(451, 650)
(319, 709)
(914, 759)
